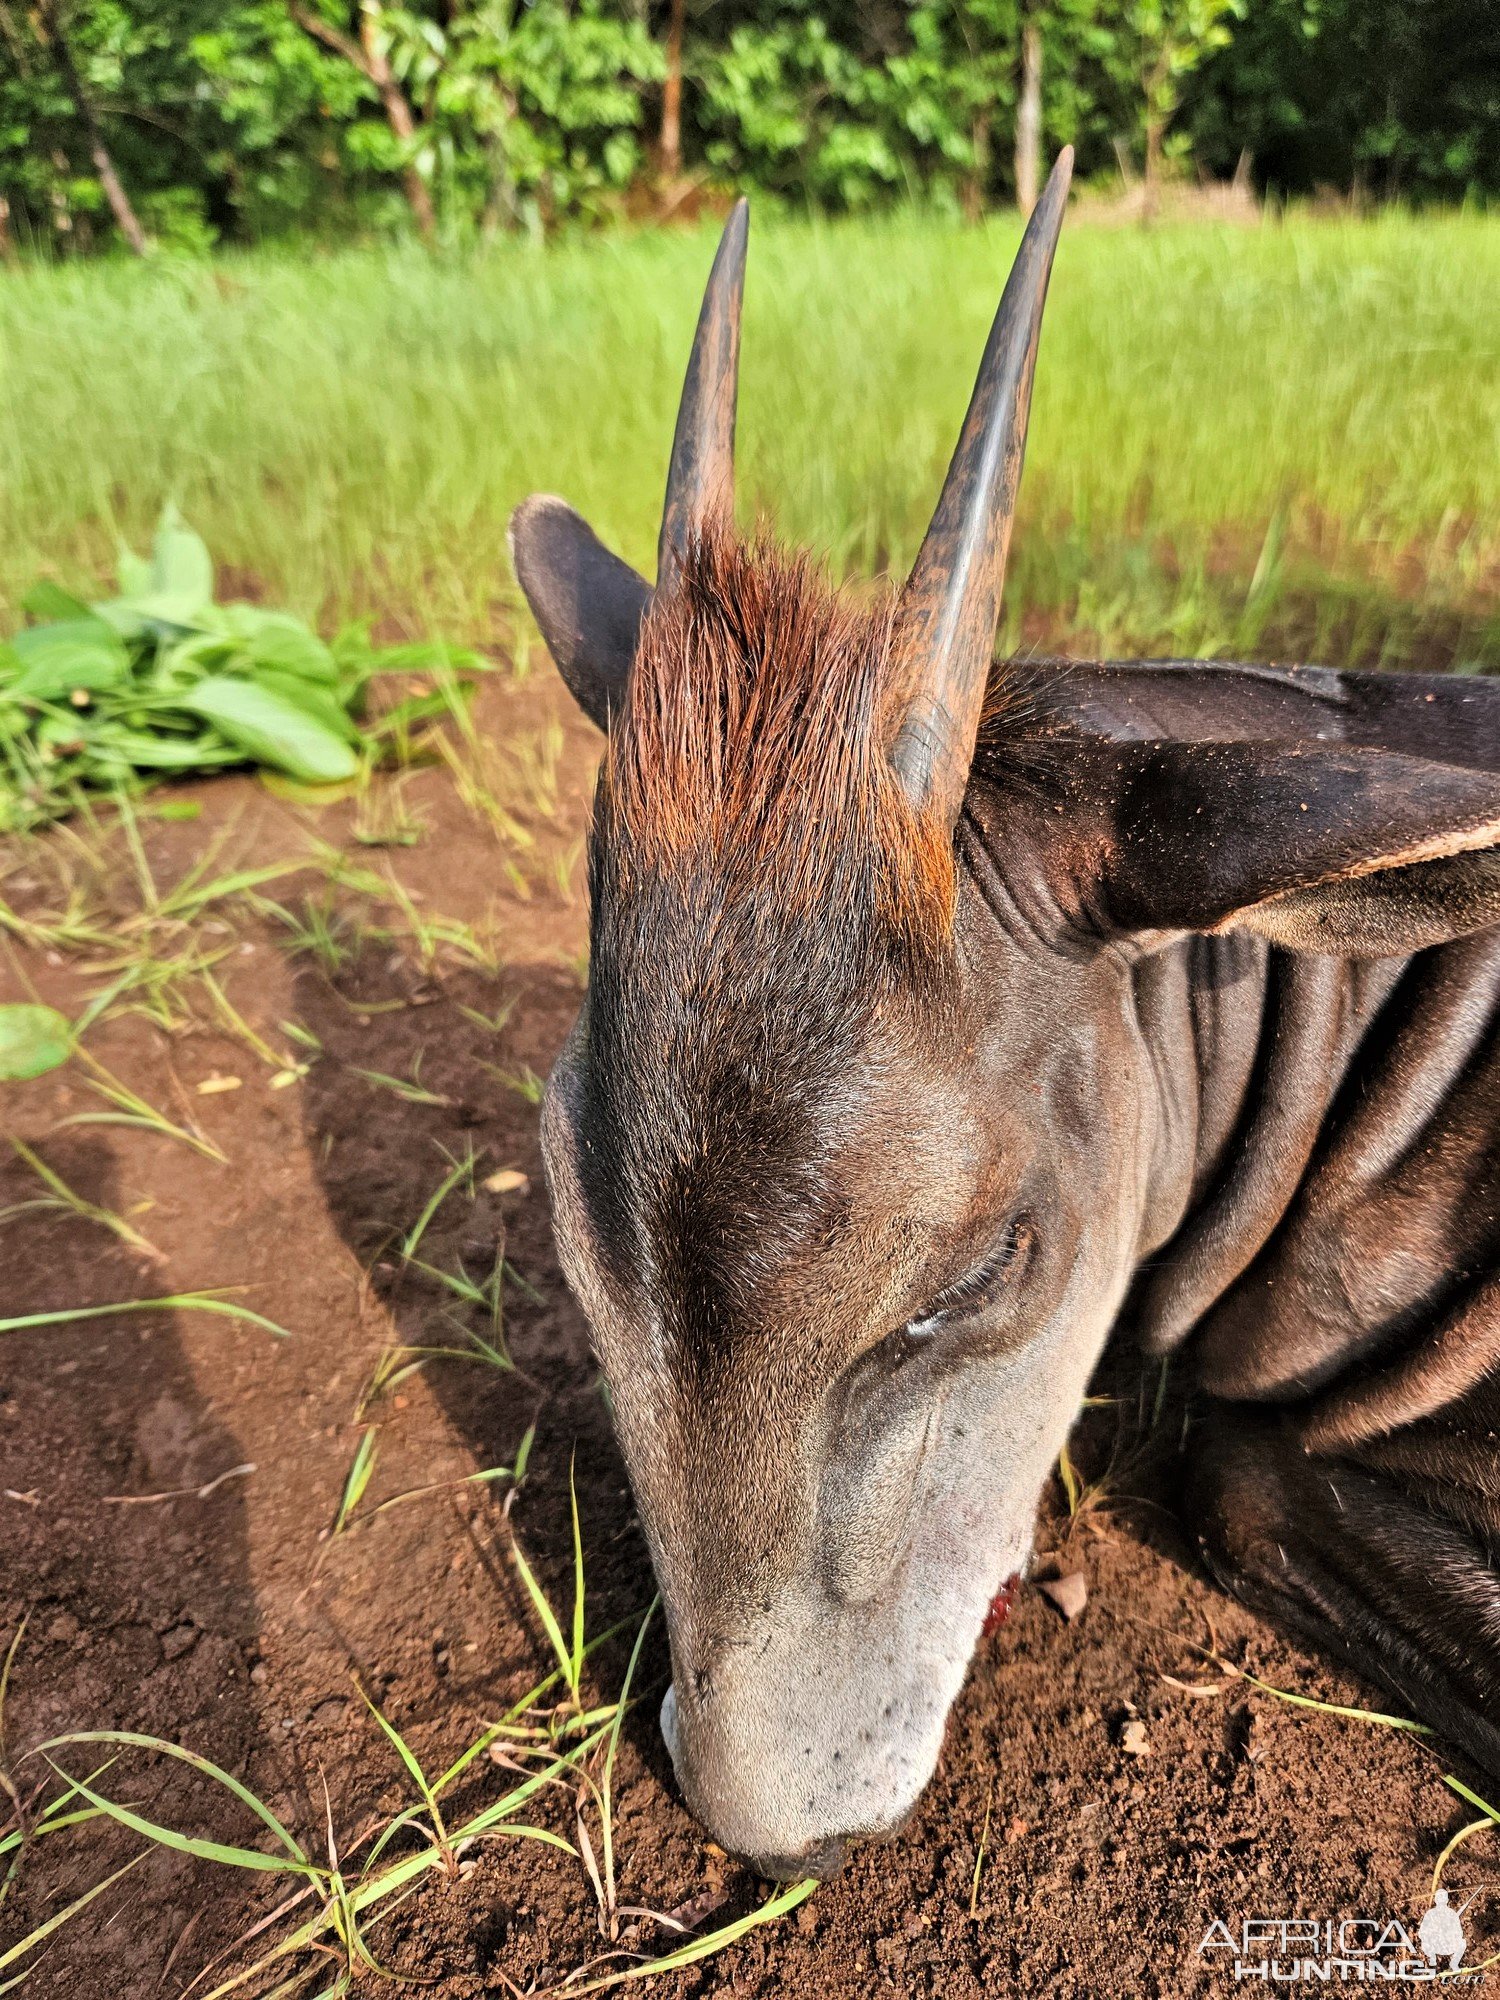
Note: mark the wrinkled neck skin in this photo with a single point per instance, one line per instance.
(1189, 1017)
(1239, 1050)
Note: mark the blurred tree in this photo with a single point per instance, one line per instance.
(54, 32)
(1173, 37)
(1387, 97)
(369, 52)
(1029, 115)
(669, 145)
(533, 112)
(184, 121)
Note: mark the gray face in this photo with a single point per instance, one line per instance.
(837, 1444)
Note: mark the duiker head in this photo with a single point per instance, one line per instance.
(788, 1188)
(857, 1141)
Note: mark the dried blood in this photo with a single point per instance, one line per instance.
(999, 1610)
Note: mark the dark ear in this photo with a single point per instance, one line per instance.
(587, 602)
(1356, 852)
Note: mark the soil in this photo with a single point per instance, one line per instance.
(1091, 1817)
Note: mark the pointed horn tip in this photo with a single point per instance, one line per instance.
(1059, 180)
(737, 228)
(730, 256)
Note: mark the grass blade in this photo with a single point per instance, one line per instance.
(1491, 1813)
(549, 1622)
(252, 1858)
(133, 1740)
(202, 1302)
(779, 1905)
(409, 1759)
(462, 1169)
(356, 1479)
(61, 1917)
(578, 1648)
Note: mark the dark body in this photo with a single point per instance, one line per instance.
(1333, 1280)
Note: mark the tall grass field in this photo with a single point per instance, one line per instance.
(1275, 439)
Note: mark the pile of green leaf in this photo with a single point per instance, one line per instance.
(162, 682)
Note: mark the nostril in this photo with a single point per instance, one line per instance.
(822, 1859)
(826, 1859)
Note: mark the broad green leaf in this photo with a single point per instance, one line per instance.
(308, 795)
(289, 647)
(318, 701)
(33, 1039)
(148, 752)
(184, 656)
(132, 573)
(270, 729)
(62, 732)
(181, 566)
(56, 659)
(120, 615)
(49, 602)
(152, 611)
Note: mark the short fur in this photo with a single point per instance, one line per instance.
(754, 745)
(760, 887)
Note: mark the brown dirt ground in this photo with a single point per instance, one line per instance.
(233, 1624)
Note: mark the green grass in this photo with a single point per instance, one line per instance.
(569, 1747)
(1239, 434)
(214, 1302)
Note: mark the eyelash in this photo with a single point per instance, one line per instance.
(974, 1287)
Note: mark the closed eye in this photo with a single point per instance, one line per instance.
(977, 1287)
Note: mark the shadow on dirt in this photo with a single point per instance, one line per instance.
(462, 1060)
(123, 1544)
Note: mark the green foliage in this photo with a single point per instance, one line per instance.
(1378, 95)
(1173, 37)
(528, 112)
(161, 681)
(33, 1039)
(848, 110)
(246, 119)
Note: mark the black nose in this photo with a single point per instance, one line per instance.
(823, 1858)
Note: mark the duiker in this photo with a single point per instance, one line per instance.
(941, 1014)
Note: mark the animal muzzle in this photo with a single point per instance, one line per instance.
(788, 1751)
(729, 1820)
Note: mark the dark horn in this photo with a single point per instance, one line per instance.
(700, 480)
(945, 623)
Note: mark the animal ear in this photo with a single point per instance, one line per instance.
(587, 602)
(1358, 852)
